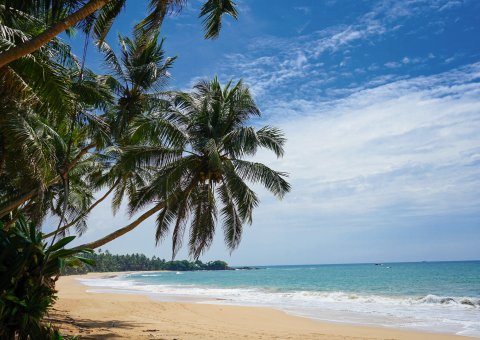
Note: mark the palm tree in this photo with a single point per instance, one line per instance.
(41, 83)
(136, 77)
(97, 15)
(41, 143)
(200, 175)
(40, 97)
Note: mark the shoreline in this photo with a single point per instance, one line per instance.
(137, 316)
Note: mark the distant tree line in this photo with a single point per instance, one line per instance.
(107, 262)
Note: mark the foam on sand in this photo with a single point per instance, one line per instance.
(447, 314)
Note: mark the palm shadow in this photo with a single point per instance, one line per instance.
(89, 328)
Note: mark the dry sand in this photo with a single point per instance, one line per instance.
(123, 316)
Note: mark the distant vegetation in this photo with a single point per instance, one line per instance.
(107, 262)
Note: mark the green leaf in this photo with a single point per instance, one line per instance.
(60, 244)
(86, 260)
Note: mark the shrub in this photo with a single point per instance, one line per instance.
(29, 268)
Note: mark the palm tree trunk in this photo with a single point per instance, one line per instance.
(119, 232)
(97, 202)
(29, 195)
(36, 43)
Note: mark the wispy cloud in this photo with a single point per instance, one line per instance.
(450, 4)
(271, 63)
(303, 9)
(382, 123)
(407, 147)
(320, 63)
(381, 158)
(281, 60)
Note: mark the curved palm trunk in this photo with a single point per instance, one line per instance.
(40, 40)
(31, 194)
(119, 232)
(97, 202)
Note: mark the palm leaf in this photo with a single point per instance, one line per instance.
(213, 10)
(158, 10)
(260, 173)
(232, 223)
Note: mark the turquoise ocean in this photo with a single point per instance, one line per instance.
(429, 296)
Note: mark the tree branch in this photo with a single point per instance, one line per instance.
(119, 232)
(36, 43)
(97, 202)
(29, 195)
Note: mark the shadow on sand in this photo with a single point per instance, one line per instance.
(90, 329)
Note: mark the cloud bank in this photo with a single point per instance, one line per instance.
(409, 147)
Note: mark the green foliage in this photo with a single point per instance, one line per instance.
(52, 107)
(107, 262)
(212, 11)
(20, 21)
(28, 271)
(202, 175)
(67, 133)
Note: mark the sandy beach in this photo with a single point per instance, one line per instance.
(126, 316)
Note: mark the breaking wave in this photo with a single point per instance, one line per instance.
(447, 314)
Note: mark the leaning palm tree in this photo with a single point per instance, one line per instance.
(94, 16)
(32, 63)
(200, 176)
(41, 144)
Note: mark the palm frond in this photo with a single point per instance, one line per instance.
(203, 221)
(259, 173)
(158, 10)
(111, 60)
(165, 183)
(244, 197)
(163, 221)
(273, 139)
(232, 223)
(155, 156)
(213, 10)
(240, 142)
(157, 130)
(105, 17)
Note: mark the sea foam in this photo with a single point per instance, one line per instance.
(449, 314)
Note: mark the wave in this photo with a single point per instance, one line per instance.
(268, 295)
(430, 312)
(449, 300)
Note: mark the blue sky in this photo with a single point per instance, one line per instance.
(380, 102)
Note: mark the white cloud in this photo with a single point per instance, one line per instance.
(303, 27)
(411, 144)
(408, 61)
(304, 9)
(403, 154)
(366, 150)
(269, 63)
(451, 4)
(393, 64)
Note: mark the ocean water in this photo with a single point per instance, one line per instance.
(429, 296)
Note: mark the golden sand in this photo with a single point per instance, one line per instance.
(128, 316)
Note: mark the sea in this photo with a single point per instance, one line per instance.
(441, 297)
